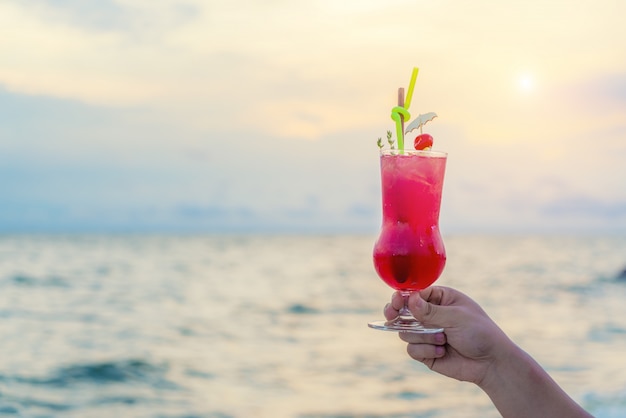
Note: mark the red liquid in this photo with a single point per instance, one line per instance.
(409, 253)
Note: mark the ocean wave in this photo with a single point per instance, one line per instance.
(301, 309)
(603, 405)
(219, 327)
(115, 372)
(26, 280)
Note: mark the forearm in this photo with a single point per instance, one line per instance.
(519, 387)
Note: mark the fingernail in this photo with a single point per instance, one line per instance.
(440, 351)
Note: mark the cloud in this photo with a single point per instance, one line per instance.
(102, 15)
(300, 69)
(64, 164)
(251, 114)
(613, 87)
(120, 57)
(68, 165)
(586, 207)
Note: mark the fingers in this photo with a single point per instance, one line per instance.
(426, 312)
(421, 347)
(417, 338)
(397, 301)
(433, 294)
(430, 306)
(391, 309)
(425, 352)
(424, 347)
(441, 295)
(390, 312)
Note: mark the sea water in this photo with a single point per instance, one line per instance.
(276, 326)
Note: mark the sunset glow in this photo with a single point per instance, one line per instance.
(201, 114)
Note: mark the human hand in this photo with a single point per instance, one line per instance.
(471, 342)
(473, 348)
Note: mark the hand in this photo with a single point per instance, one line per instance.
(471, 341)
(473, 348)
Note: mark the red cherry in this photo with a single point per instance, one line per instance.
(423, 141)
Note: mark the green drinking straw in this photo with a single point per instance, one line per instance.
(409, 94)
(401, 113)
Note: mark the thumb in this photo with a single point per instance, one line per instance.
(425, 312)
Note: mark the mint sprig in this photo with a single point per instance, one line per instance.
(390, 141)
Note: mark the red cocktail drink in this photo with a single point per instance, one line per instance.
(409, 254)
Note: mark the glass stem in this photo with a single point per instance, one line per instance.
(404, 312)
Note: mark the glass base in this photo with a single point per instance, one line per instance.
(403, 325)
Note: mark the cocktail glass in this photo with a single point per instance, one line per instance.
(409, 254)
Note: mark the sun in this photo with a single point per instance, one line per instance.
(525, 83)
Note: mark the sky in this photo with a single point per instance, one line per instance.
(262, 116)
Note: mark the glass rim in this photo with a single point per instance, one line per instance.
(409, 152)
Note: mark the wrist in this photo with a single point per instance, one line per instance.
(505, 368)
